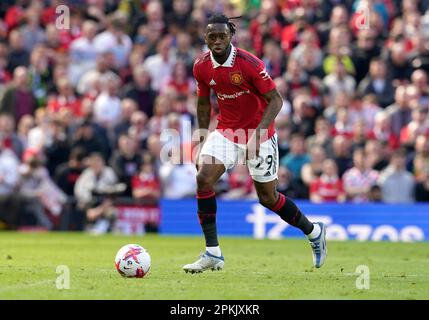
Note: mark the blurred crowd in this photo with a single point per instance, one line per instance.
(85, 98)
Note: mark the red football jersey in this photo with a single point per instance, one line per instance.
(327, 189)
(239, 84)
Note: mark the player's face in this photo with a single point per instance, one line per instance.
(218, 38)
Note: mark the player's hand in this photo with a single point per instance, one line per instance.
(203, 133)
(253, 146)
(197, 156)
(197, 159)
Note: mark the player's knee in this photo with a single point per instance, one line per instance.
(267, 200)
(204, 181)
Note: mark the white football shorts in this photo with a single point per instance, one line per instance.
(263, 169)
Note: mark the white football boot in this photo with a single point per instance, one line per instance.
(319, 247)
(205, 262)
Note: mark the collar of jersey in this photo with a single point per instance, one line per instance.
(229, 62)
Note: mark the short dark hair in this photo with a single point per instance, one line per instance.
(77, 153)
(220, 18)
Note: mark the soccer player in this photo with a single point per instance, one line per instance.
(248, 104)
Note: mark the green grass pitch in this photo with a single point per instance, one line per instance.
(254, 269)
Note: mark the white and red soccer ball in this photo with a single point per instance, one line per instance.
(132, 261)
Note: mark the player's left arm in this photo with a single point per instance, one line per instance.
(271, 111)
(273, 108)
(266, 87)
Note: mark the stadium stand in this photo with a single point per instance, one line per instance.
(86, 98)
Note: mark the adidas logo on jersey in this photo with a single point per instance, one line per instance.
(267, 174)
(212, 83)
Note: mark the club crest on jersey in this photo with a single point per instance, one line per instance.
(236, 78)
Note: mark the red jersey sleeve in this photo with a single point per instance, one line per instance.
(203, 90)
(261, 79)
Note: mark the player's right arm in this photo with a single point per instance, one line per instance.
(203, 93)
(204, 107)
(204, 110)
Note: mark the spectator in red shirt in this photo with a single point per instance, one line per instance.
(291, 34)
(419, 125)
(49, 15)
(382, 130)
(146, 189)
(359, 179)
(328, 187)
(289, 7)
(179, 81)
(57, 40)
(313, 169)
(146, 185)
(343, 125)
(66, 99)
(265, 26)
(15, 14)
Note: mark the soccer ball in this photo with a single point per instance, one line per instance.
(132, 261)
